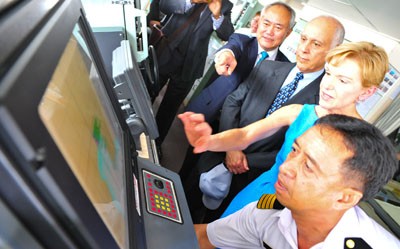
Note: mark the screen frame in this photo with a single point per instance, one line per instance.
(27, 65)
(129, 84)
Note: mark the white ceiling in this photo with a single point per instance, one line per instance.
(382, 16)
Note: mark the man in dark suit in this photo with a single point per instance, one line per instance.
(154, 16)
(183, 60)
(251, 102)
(236, 59)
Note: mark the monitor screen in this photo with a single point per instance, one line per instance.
(79, 116)
(131, 89)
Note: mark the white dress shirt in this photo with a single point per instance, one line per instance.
(271, 54)
(308, 78)
(251, 228)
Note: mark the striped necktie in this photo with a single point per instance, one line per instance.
(285, 93)
(264, 55)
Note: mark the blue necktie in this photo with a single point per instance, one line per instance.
(264, 55)
(285, 93)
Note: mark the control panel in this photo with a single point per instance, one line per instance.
(160, 197)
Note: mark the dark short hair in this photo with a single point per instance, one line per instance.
(374, 160)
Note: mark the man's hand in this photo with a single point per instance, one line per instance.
(215, 8)
(236, 162)
(198, 132)
(153, 22)
(213, 5)
(225, 63)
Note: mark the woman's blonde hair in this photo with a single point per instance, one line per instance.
(372, 60)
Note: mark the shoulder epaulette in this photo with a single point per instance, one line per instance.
(355, 243)
(269, 201)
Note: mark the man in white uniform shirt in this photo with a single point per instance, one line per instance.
(334, 165)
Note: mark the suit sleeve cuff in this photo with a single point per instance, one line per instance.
(188, 5)
(223, 50)
(217, 22)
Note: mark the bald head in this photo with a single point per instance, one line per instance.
(332, 27)
(319, 36)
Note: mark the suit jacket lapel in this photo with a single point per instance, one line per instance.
(314, 84)
(253, 51)
(274, 81)
(281, 57)
(204, 16)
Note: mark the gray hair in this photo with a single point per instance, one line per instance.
(288, 8)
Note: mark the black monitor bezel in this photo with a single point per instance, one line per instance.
(126, 68)
(27, 65)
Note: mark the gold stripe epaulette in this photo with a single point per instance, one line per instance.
(269, 201)
(266, 201)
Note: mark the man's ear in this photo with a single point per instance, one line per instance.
(367, 93)
(288, 33)
(348, 198)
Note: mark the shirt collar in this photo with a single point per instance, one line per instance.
(271, 54)
(307, 76)
(346, 227)
(288, 227)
